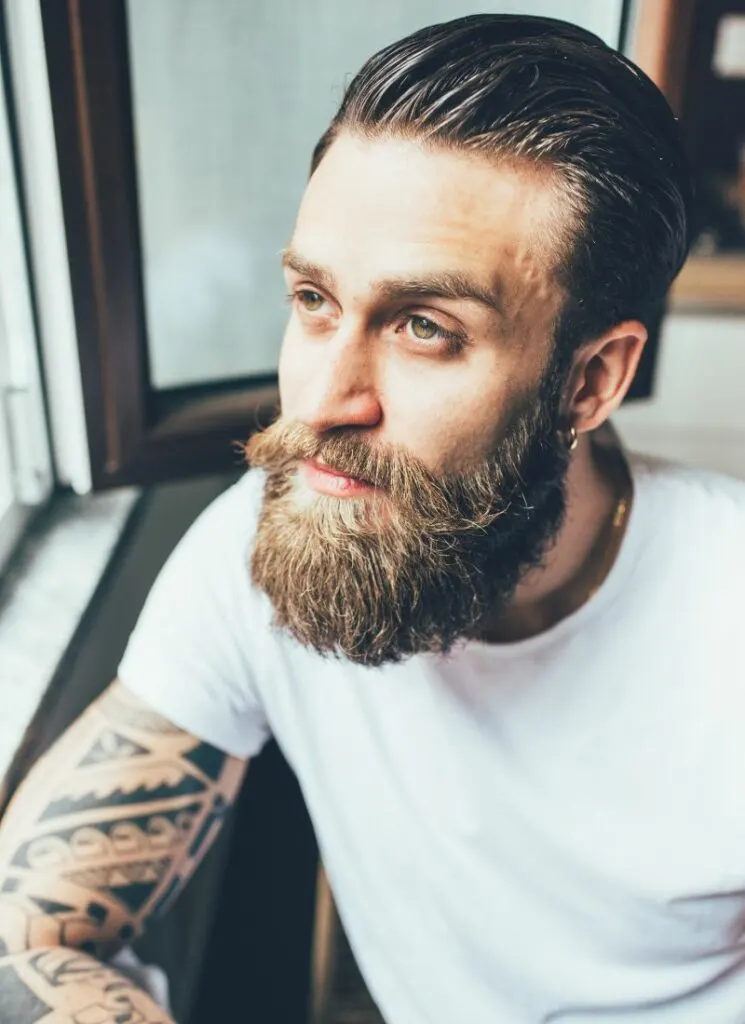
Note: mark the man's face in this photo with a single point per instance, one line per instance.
(445, 401)
(394, 211)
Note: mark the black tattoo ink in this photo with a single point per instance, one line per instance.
(220, 807)
(51, 907)
(70, 932)
(60, 967)
(47, 851)
(146, 834)
(97, 912)
(131, 884)
(208, 759)
(134, 896)
(188, 786)
(110, 746)
(116, 1010)
(64, 925)
(19, 1005)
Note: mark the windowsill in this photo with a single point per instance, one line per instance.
(720, 452)
(45, 595)
(14, 524)
(710, 284)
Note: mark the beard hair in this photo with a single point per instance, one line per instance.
(379, 578)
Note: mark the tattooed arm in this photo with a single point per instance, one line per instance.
(61, 986)
(103, 833)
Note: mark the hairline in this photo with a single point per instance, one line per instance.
(564, 240)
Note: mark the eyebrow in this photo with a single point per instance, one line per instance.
(446, 284)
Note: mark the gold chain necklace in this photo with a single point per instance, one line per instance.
(616, 525)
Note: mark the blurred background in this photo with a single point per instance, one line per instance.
(152, 156)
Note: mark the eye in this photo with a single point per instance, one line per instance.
(425, 330)
(308, 299)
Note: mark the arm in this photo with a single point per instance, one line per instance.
(104, 832)
(62, 986)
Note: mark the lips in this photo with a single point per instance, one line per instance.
(332, 482)
(318, 464)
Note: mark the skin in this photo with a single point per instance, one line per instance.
(64, 986)
(104, 832)
(384, 209)
(110, 824)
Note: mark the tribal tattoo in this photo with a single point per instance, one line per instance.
(105, 831)
(62, 986)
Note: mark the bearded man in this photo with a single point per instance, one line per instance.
(505, 660)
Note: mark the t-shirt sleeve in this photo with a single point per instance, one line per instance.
(196, 651)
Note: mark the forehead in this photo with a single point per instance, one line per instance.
(379, 207)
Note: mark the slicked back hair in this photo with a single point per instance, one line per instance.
(552, 95)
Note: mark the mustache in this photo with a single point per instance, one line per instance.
(285, 443)
(446, 502)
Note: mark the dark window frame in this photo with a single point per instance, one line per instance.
(136, 434)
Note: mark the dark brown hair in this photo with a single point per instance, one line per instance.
(549, 93)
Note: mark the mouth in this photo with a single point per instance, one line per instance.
(325, 480)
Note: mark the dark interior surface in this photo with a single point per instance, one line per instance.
(236, 946)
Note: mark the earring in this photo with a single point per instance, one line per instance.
(572, 438)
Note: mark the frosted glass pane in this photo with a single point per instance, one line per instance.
(7, 490)
(229, 99)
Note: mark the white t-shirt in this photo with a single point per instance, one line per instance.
(544, 832)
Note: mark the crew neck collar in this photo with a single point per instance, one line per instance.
(568, 626)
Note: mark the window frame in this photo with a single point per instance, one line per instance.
(26, 459)
(136, 434)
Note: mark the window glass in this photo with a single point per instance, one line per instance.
(229, 100)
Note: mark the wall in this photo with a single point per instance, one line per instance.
(697, 413)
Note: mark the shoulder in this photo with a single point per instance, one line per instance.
(197, 652)
(693, 525)
(710, 504)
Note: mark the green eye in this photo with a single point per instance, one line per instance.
(424, 329)
(311, 300)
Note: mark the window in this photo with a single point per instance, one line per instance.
(695, 51)
(154, 224)
(184, 131)
(25, 469)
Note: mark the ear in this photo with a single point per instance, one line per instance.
(602, 373)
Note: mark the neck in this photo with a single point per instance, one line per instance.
(571, 568)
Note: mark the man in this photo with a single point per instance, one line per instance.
(504, 660)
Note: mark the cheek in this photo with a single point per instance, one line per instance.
(291, 370)
(448, 419)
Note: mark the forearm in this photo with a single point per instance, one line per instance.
(107, 828)
(61, 986)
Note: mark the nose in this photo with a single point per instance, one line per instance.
(340, 389)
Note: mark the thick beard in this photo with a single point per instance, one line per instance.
(379, 578)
